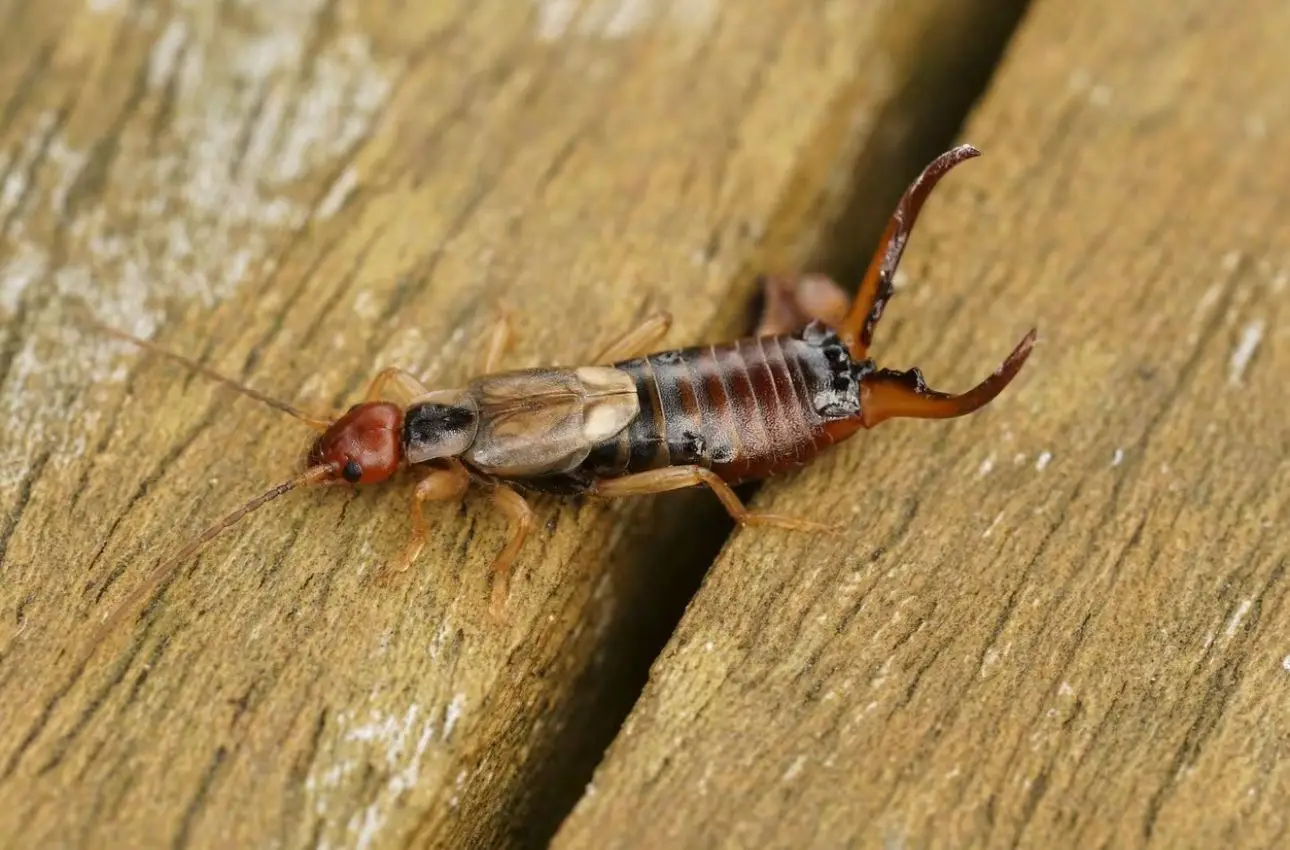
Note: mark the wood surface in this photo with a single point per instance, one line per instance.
(1062, 622)
(300, 192)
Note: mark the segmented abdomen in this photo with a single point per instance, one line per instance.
(745, 410)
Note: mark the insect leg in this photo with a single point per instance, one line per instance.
(519, 513)
(406, 385)
(636, 342)
(439, 485)
(639, 341)
(876, 287)
(791, 303)
(681, 477)
(500, 338)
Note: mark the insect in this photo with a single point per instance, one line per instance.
(632, 423)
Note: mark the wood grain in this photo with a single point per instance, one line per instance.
(300, 193)
(1062, 622)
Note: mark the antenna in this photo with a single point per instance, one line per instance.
(163, 571)
(317, 423)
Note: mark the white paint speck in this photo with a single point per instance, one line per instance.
(554, 18)
(393, 745)
(22, 166)
(1080, 81)
(337, 110)
(694, 15)
(989, 660)
(1117, 457)
(995, 522)
(1207, 299)
(365, 305)
(1065, 690)
(337, 194)
(614, 20)
(1251, 336)
(1041, 462)
(986, 467)
(26, 265)
(1235, 623)
(1285, 664)
(164, 58)
(795, 769)
(453, 713)
(610, 20)
(625, 17)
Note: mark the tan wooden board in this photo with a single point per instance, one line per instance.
(300, 193)
(1062, 622)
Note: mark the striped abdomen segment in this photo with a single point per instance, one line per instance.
(745, 410)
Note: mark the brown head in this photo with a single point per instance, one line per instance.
(364, 446)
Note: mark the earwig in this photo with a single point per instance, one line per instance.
(632, 423)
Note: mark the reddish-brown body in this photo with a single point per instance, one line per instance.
(746, 410)
(711, 416)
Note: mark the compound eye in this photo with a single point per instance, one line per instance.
(352, 471)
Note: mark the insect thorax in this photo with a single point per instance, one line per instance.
(439, 429)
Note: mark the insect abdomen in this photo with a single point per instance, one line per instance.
(745, 410)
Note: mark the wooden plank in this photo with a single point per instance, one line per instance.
(299, 194)
(1062, 622)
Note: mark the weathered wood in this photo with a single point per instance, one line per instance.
(301, 193)
(1062, 622)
